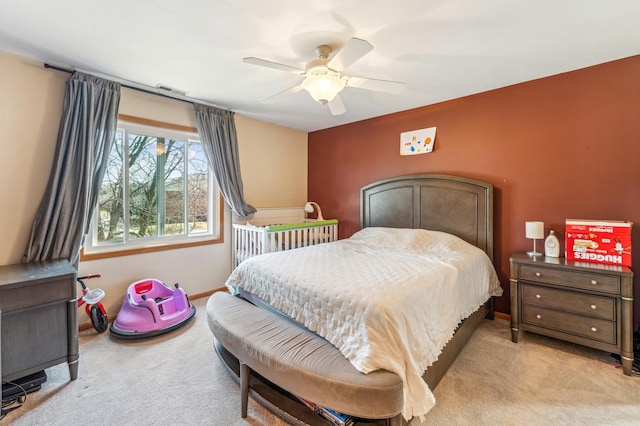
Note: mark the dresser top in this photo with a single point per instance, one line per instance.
(524, 258)
(35, 271)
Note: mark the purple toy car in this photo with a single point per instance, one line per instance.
(150, 308)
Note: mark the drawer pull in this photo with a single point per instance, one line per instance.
(538, 296)
(593, 306)
(594, 282)
(538, 316)
(538, 274)
(594, 329)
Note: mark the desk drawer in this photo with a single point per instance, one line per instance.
(580, 303)
(579, 325)
(582, 280)
(33, 294)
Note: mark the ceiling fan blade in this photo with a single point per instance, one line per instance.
(278, 96)
(336, 106)
(274, 65)
(386, 86)
(355, 49)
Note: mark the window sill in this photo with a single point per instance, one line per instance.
(148, 249)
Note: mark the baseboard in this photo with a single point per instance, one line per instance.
(207, 293)
(502, 316)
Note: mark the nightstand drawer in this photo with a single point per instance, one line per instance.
(582, 280)
(580, 303)
(591, 328)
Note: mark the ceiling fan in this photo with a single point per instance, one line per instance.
(324, 78)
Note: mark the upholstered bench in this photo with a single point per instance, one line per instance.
(300, 362)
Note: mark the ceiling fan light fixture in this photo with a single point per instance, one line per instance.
(323, 87)
(323, 77)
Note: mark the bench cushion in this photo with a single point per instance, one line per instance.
(300, 361)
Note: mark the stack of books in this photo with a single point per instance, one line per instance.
(335, 418)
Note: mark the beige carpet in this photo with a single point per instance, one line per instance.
(177, 379)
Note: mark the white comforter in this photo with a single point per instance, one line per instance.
(387, 298)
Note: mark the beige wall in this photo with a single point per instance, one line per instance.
(30, 108)
(145, 105)
(271, 158)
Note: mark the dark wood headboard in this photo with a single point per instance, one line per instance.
(457, 205)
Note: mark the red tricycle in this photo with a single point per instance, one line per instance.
(94, 307)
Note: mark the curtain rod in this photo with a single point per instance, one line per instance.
(148, 90)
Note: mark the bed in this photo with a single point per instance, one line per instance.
(250, 240)
(456, 213)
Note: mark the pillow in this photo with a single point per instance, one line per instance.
(414, 240)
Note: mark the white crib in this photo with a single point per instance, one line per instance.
(249, 240)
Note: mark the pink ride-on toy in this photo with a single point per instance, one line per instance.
(150, 308)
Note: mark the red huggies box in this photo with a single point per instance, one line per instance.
(599, 241)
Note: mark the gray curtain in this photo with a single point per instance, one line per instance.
(87, 129)
(217, 129)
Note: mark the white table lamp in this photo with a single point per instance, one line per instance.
(535, 231)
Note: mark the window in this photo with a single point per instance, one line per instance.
(157, 192)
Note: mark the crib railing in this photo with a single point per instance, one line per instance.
(251, 240)
(248, 241)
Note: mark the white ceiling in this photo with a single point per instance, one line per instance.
(441, 49)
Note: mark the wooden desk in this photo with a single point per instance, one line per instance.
(38, 302)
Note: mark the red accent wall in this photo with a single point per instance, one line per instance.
(566, 146)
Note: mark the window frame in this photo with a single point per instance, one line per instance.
(165, 243)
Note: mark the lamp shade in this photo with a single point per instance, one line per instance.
(534, 230)
(324, 87)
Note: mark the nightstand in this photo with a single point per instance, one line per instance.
(586, 303)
